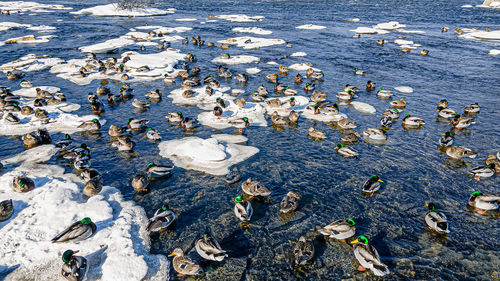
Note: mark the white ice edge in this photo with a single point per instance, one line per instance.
(112, 10)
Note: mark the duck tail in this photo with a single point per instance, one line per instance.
(380, 270)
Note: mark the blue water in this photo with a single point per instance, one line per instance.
(414, 170)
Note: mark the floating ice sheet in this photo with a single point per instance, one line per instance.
(254, 30)
(240, 59)
(31, 62)
(112, 10)
(404, 89)
(247, 42)
(311, 27)
(240, 18)
(363, 107)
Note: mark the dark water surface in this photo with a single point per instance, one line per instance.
(414, 170)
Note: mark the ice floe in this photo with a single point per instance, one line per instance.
(210, 155)
(31, 92)
(240, 18)
(9, 25)
(31, 62)
(254, 30)
(38, 154)
(494, 52)
(107, 46)
(29, 39)
(302, 66)
(392, 25)
(21, 6)
(112, 10)
(186, 19)
(369, 30)
(495, 4)
(240, 59)
(119, 250)
(481, 35)
(248, 42)
(253, 70)
(404, 89)
(285, 108)
(298, 54)
(310, 27)
(308, 113)
(200, 97)
(253, 111)
(363, 107)
(42, 28)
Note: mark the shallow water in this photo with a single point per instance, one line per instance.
(413, 169)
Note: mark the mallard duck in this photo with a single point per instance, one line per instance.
(289, 91)
(93, 124)
(348, 87)
(436, 220)
(384, 93)
(233, 177)
(73, 152)
(116, 131)
(493, 159)
(189, 123)
(241, 123)
(208, 248)
(156, 94)
(90, 174)
(175, 117)
(345, 123)
(424, 52)
(359, 71)
(459, 152)
(30, 140)
(60, 96)
(444, 29)
(26, 110)
(226, 74)
(273, 102)
(375, 134)
(240, 102)
(283, 69)
(14, 75)
(255, 188)
(442, 104)
(484, 202)
(6, 210)
(381, 42)
(345, 96)
(368, 257)
(316, 134)
(161, 220)
(219, 101)
(340, 229)
(309, 87)
(318, 96)
(298, 78)
(22, 184)
(461, 122)
(483, 172)
(289, 203)
(370, 85)
(293, 117)
(345, 151)
(124, 144)
(277, 119)
(168, 80)
(412, 121)
(273, 77)
(217, 111)
(92, 187)
(11, 118)
(25, 84)
(152, 134)
(97, 107)
(92, 97)
(386, 122)
(190, 57)
(445, 112)
(156, 171)
(77, 231)
(372, 185)
(75, 268)
(303, 251)
(350, 138)
(242, 77)
(41, 114)
(140, 183)
(101, 91)
(256, 97)
(242, 209)
(136, 123)
(183, 264)
(472, 109)
(225, 56)
(401, 104)
(113, 99)
(139, 104)
(393, 113)
(446, 139)
(193, 81)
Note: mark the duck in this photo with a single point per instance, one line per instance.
(240, 102)
(92, 187)
(381, 93)
(22, 184)
(72, 152)
(242, 209)
(225, 56)
(183, 264)
(283, 69)
(442, 103)
(493, 159)
(309, 87)
(483, 202)
(140, 183)
(156, 171)
(317, 75)
(400, 104)
(412, 121)
(26, 110)
(219, 101)
(298, 79)
(101, 91)
(189, 123)
(41, 114)
(392, 112)
(60, 97)
(139, 104)
(375, 134)
(152, 134)
(14, 75)
(459, 152)
(370, 85)
(53, 101)
(175, 117)
(113, 99)
(6, 209)
(483, 172)
(350, 138)
(436, 220)
(345, 123)
(424, 52)
(372, 185)
(368, 257)
(345, 96)
(92, 97)
(75, 268)
(359, 71)
(445, 112)
(124, 144)
(289, 91)
(345, 151)
(273, 77)
(97, 107)
(471, 109)
(168, 80)
(116, 131)
(241, 123)
(386, 122)
(136, 123)
(277, 119)
(381, 42)
(339, 229)
(11, 118)
(318, 96)
(303, 251)
(208, 248)
(255, 188)
(93, 124)
(242, 77)
(444, 29)
(78, 231)
(289, 203)
(25, 84)
(316, 134)
(446, 139)
(156, 94)
(348, 87)
(293, 117)
(273, 102)
(461, 122)
(31, 140)
(161, 220)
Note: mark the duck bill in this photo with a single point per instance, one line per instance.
(74, 252)
(355, 241)
(380, 180)
(171, 255)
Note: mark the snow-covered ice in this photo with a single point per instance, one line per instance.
(240, 18)
(254, 30)
(310, 27)
(112, 10)
(298, 54)
(404, 89)
(248, 42)
(240, 59)
(363, 107)
(253, 70)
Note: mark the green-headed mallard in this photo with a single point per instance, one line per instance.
(156, 171)
(175, 117)
(22, 184)
(393, 113)
(436, 220)
(156, 94)
(375, 134)
(340, 229)
(242, 209)
(289, 202)
(183, 264)
(345, 123)
(412, 121)
(372, 185)
(6, 210)
(484, 202)
(309, 87)
(140, 183)
(445, 112)
(400, 104)
(208, 248)
(348, 87)
(289, 91)
(493, 159)
(316, 134)
(11, 118)
(189, 123)
(359, 71)
(446, 139)
(161, 220)
(136, 123)
(255, 188)
(472, 109)
(25, 84)
(483, 172)
(152, 134)
(303, 251)
(386, 122)
(75, 268)
(92, 187)
(461, 122)
(78, 231)
(459, 152)
(345, 151)
(317, 75)
(345, 96)
(240, 123)
(368, 257)
(384, 94)
(93, 124)
(168, 80)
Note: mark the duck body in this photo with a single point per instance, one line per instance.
(153, 135)
(340, 229)
(183, 264)
(346, 151)
(459, 152)
(483, 172)
(75, 268)
(22, 184)
(161, 220)
(484, 202)
(92, 187)
(446, 139)
(124, 144)
(243, 210)
(372, 185)
(140, 183)
(208, 248)
(78, 231)
(386, 122)
(6, 210)
(400, 104)
(156, 171)
(90, 125)
(375, 134)
(369, 258)
(316, 134)
(289, 203)
(303, 251)
(436, 220)
(255, 188)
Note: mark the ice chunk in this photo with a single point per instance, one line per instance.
(404, 89)
(39, 154)
(298, 54)
(254, 30)
(363, 107)
(494, 52)
(240, 59)
(186, 19)
(112, 10)
(240, 18)
(248, 42)
(311, 27)
(253, 70)
(107, 46)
